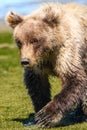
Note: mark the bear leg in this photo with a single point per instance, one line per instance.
(38, 88)
(84, 102)
(52, 114)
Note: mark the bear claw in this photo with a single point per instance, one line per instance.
(47, 117)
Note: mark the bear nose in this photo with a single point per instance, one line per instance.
(25, 62)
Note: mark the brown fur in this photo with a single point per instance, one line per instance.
(54, 40)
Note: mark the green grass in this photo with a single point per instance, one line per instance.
(15, 104)
(6, 37)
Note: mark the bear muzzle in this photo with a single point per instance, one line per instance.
(25, 62)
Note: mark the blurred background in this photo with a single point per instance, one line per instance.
(26, 7)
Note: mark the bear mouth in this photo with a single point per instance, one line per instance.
(41, 66)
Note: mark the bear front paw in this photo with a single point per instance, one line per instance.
(48, 116)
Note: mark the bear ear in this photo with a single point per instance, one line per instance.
(13, 19)
(52, 14)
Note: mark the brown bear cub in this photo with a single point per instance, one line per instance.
(53, 41)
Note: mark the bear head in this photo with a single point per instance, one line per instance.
(38, 35)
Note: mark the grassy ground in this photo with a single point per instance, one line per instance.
(15, 104)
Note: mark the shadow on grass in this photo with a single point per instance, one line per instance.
(71, 118)
(74, 117)
(25, 121)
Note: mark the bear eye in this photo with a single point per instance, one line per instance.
(34, 41)
(18, 43)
